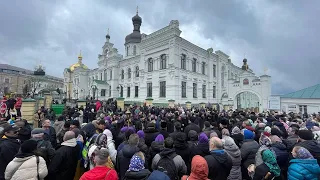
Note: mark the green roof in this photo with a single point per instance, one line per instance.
(100, 81)
(307, 93)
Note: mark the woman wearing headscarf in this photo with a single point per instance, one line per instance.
(199, 169)
(234, 153)
(281, 153)
(110, 145)
(156, 147)
(181, 147)
(101, 142)
(264, 142)
(304, 166)
(136, 168)
(269, 169)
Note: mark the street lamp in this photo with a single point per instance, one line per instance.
(94, 89)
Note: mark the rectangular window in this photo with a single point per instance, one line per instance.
(101, 76)
(136, 91)
(149, 89)
(183, 89)
(214, 92)
(6, 80)
(110, 74)
(203, 68)
(214, 70)
(162, 89)
(163, 61)
(128, 91)
(103, 92)
(204, 91)
(121, 91)
(194, 90)
(183, 61)
(109, 91)
(194, 65)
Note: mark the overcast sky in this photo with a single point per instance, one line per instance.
(282, 36)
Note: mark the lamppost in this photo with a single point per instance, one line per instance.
(94, 89)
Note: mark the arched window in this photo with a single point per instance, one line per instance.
(129, 73)
(122, 74)
(222, 76)
(245, 82)
(163, 61)
(127, 51)
(134, 50)
(150, 64)
(137, 71)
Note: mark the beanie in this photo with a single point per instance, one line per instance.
(248, 134)
(305, 134)
(29, 146)
(37, 133)
(159, 138)
(203, 138)
(140, 134)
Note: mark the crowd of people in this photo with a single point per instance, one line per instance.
(101, 141)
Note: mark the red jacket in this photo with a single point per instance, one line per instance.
(98, 105)
(100, 173)
(18, 103)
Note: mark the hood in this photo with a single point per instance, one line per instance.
(193, 135)
(70, 143)
(157, 146)
(137, 174)
(199, 168)
(167, 152)
(310, 165)
(233, 150)
(128, 150)
(220, 155)
(279, 145)
(19, 160)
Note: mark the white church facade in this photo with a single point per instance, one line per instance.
(164, 66)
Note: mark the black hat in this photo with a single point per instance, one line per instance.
(10, 128)
(28, 146)
(305, 134)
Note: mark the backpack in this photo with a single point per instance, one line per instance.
(167, 165)
(85, 150)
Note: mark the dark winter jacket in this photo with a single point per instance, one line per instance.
(123, 159)
(156, 147)
(142, 146)
(9, 147)
(45, 149)
(64, 162)
(219, 164)
(201, 149)
(140, 175)
(24, 134)
(164, 133)
(313, 147)
(248, 150)
(90, 129)
(51, 137)
(238, 138)
(282, 154)
(182, 149)
(261, 172)
(173, 135)
(149, 135)
(290, 142)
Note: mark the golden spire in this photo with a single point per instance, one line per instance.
(137, 10)
(80, 57)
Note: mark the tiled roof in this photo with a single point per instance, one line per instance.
(308, 93)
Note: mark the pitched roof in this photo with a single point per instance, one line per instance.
(307, 93)
(100, 81)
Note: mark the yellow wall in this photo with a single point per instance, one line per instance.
(28, 110)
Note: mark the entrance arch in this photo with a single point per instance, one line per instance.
(247, 100)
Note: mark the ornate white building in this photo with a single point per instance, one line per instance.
(164, 66)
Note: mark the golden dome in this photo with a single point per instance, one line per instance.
(78, 64)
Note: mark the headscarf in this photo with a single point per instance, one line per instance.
(140, 134)
(199, 169)
(264, 140)
(235, 130)
(270, 160)
(101, 140)
(136, 164)
(303, 153)
(225, 132)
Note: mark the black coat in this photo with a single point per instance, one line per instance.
(201, 149)
(155, 148)
(238, 138)
(164, 133)
(184, 151)
(290, 142)
(123, 159)
(248, 150)
(140, 175)
(219, 164)
(282, 154)
(8, 149)
(64, 163)
(52, 137)
(261, 172)
(150, 135)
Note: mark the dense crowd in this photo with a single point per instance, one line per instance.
(101, 142)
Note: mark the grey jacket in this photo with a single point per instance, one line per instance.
(178, 161)
(234, 153)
